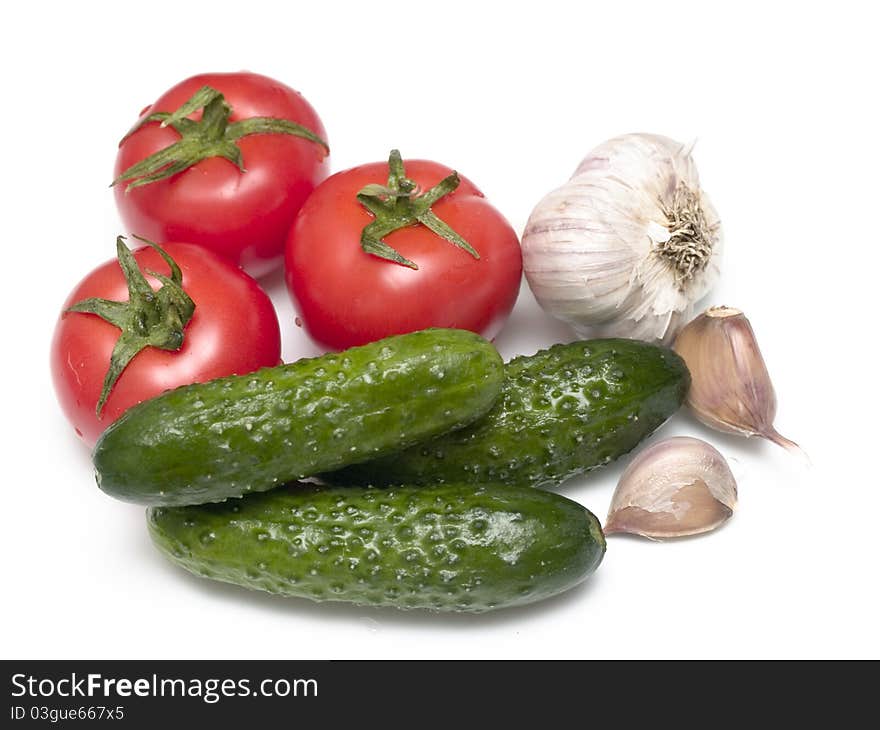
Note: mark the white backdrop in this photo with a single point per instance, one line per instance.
(783, 100)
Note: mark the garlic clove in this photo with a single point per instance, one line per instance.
(730, 388)
(677, 487)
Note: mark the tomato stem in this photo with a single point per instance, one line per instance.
(211, 136)
(148, 319)
(399, 204)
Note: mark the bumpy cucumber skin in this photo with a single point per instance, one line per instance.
(240, 434)
(562, 411)
(450, 547)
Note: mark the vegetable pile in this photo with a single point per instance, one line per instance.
(427, 456)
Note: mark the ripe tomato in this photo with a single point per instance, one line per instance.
(242, 215)
(346, 296)
(233, 329)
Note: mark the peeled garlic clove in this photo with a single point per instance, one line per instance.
(730, 386)
(677, 487)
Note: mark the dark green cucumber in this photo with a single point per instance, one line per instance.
(448, 547)
(225, 438)
(562, 411)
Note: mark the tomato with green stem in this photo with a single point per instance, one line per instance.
(155, 319)
(388, 248)
(224, 161)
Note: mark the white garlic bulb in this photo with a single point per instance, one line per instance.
(628, 245)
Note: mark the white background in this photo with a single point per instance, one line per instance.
(783, 99)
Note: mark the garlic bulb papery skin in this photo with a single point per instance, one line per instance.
(678, 487)
(730, 388)
(628, 245)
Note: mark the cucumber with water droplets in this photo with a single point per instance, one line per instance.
(562, 411)
(447, 547)
(239, 434)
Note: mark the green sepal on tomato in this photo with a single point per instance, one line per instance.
(153, 319)
(393, 247)
(224, 160)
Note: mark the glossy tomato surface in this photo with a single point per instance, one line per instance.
(233, 330)
(243, 216)
(347, 297)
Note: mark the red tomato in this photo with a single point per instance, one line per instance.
(243, 216)
(233, 329)
(348, 297)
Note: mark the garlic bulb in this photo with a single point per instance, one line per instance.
(628, 244)
(730, 388)
(677, 487)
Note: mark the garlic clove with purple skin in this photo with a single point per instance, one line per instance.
(730, 388)
(675, 488)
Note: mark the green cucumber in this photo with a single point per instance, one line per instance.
(450, 547)
(562, 411)
(240, 434)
